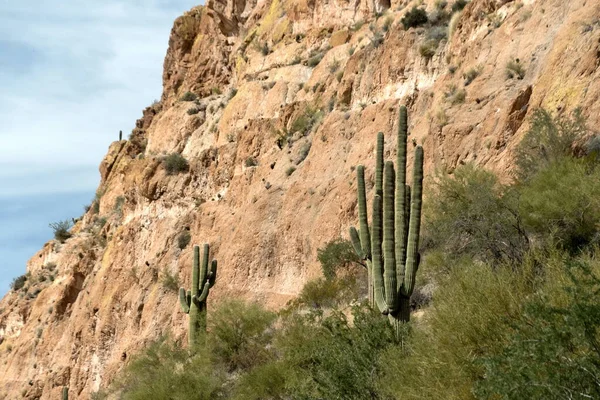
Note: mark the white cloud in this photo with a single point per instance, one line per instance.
(74, 73)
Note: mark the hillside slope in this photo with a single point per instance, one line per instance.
(290, 95)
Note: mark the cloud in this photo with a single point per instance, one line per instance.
(72, 74)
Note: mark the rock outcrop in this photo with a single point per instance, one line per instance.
(288, 98)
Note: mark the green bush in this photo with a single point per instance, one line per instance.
(169, 281)
(514, 69)
(471, 74)
(61, 230)
(413, 18)
(18, 282)
(164, 371)
(188, 96)
(175, 163)
(183, 239)
(251, 162)
(472, 214)
(326, 293)
(562, 201)
(240, 333)
(333, 357)
(336, 254)
(547, 140)
(473, 309)
(458, 5)
(290, 171)
(268, 381)
(553, 352)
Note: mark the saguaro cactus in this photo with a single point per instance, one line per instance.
(194, 301)
(65, 393)
(390, 246)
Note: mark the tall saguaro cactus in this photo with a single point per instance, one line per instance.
(193, 302)
(390, 246)
(65, 393)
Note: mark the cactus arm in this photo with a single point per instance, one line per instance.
(204, 294)
(204, 267)
(365, 239)
(401, 220)
(379, 165)
(377, 262)
(389, 256)
(212, 275)
(355, 239)
(195, 271)
(185, 306)
(412, 254)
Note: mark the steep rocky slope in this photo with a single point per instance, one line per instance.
(290, 96)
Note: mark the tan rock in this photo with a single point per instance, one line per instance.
(265, 225)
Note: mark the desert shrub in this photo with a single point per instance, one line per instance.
(413, 18)
(183, 239)
(264, 48)
(453, 24)
(458, 5)
(547, 140)
(428, 49)
(188, 96)
(306, 121)
(304, 150)
(315, 60)
(553, 352)
(165, 371)
(472, 214)
(193, 111)
(175, 163)
(562, 200)
(232, 93)
(472, 312)
(290, 171)
(325, 293)
(61, 230)
(333, 357)
(471, 74)
(18, 282)
(336, 254)
(454, 95)
(240, 334)
(514, 69)
(334, 66)
(169, 281)
(268, 381)
(251, 162)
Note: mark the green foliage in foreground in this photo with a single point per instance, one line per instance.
(165, 371)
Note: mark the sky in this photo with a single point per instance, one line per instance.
(72, 74)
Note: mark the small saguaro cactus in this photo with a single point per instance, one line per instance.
(193, 302)
(65, 393)
(120, 135)
(390, 247)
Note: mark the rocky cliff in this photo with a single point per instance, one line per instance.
(285, 98)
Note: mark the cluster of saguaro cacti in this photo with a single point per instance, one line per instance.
(390, 246)
(193, 302)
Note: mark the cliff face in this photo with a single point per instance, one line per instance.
(98, 298)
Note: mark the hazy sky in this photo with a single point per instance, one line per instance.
(72, 74)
